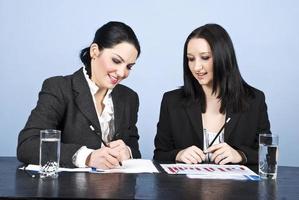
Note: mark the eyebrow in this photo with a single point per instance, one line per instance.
(189, 54)
(122, 59)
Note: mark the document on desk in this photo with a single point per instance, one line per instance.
(128, 166)
(212, 171)
(134, 166)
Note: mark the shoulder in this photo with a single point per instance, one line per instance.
(174, 97)
(59, 85)
(256, 94)
(124, 90)
(57, 82)
(256, 99)
(174, 94)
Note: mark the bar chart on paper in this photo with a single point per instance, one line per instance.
(211, 171)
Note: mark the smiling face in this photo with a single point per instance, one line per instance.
(200, 61)
(111, 65)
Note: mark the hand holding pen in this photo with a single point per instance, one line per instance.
(114, 145)
(223, 153)
(106, 157)
(103, 158)
(193, 154)
(122, 148)
(190, 155)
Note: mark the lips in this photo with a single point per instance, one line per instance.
(201, 75)
(113, 79)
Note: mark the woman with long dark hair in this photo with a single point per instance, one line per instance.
(96, 115)
(214, 92)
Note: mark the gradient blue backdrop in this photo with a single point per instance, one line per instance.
(40, 38)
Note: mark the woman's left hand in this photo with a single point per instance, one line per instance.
(122, 148)
(223, 153)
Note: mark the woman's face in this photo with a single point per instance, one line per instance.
(111, 65)
(200, 61)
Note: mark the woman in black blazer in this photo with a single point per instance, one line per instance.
(213, 92)
(90, 106)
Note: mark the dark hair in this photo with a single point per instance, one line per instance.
(107, 36)
(233, 90)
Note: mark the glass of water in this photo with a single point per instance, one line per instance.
(49, 153)
(268, 156)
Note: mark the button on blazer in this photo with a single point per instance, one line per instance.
(65, 103)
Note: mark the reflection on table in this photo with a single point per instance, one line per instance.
(16, 183)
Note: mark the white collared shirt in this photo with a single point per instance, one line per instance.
(106, 120)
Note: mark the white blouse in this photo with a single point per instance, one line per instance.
(106, 120)
(208, 137)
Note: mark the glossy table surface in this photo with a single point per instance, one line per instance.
(16, 183)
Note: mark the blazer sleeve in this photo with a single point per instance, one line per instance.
(48, 114)
(165, 149)
(263, 126)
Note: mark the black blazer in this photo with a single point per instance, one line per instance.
(65, 103)
(180, 126)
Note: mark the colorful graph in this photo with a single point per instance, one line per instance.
(204, 169)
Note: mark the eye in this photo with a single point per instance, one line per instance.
(129, 67)
(205, 57)
(190, 59)
(116, 61)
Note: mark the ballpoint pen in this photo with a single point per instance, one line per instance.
(108, 146)
(104, 143)
(28, 172)
(228, 119)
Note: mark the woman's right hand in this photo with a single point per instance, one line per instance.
(103, 158)
(190, 155)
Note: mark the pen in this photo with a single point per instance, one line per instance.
(228, 119)
(104, 143)
(108, 146)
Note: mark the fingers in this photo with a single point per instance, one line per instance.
(216, 154)
(221, 158)
(105, 158)
(121, 148)
(199, 152)
(214, 147)
(116, 144)
(190, 158)
(112, 160)
(223, 153)
(225, 161)
(191, 155)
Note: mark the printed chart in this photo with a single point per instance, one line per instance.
(211, 171)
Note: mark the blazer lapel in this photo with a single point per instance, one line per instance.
(234, 118)
(194, 113)
(84, 100)
(119, 106)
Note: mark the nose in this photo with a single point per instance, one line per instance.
(198, 66)
(121, 71)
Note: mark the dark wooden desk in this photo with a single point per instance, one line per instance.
(17, 184)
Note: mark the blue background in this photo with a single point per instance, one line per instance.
(40, 38)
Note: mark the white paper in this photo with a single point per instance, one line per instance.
(128, 166)
(134, 166)
(212, 171)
